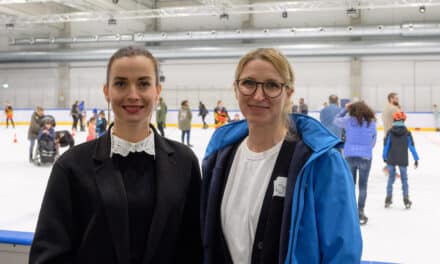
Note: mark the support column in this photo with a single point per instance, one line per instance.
(355, 63)
(355, 78)
(63, 89)
(63, 70)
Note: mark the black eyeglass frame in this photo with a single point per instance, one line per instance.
(263, 85)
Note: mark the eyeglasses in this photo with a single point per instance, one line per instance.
(271, 89)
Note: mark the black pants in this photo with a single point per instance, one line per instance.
(75, 122)
(204, 121)
(81, 123)
(10, 120)
(160, 126)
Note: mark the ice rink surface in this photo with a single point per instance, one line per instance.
(392, 235)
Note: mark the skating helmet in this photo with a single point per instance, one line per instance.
(399, 116)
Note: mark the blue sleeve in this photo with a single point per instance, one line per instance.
(328, 230)
(321, 115)
(412, 148)
(373, 127)
(386, 147)
(341, 119)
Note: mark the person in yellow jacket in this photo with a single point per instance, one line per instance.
(9, 112)
(221, 115)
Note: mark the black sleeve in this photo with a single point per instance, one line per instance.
(190, 240)
(52, 242)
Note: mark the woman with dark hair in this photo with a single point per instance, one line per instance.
(360, 131)
(130, 196)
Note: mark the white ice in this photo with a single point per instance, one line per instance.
(391, 235)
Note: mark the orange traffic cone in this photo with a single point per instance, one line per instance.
(15, 138)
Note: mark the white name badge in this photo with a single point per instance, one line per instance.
(279, 186)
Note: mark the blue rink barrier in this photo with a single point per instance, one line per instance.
(16, 237)
(25, 238)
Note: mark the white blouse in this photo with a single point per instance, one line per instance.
(243, 198)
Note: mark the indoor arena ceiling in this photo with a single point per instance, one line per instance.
(36, 24)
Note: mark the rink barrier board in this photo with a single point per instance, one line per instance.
(69, 123)
(14, 238)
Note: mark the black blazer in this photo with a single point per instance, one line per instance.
(84, 215)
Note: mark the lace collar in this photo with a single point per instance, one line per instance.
(123, 147)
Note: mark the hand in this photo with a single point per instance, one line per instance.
(416, 164)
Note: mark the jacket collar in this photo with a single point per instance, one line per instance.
(114, 197)
(312, 132)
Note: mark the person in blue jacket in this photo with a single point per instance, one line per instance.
(275, 187)
(395, 153)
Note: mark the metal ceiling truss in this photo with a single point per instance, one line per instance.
(361, 48)
(404, 30)
(207, 8)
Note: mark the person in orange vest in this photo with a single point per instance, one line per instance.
(221, 115)
(9, 112)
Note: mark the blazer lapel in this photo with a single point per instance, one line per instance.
(165, 190)
(114, 199)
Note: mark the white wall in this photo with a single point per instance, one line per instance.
(415, 79)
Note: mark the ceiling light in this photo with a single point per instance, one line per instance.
(224, 16)
(112, 21)
(352, 12)
(9, 25)
(284, 14)
(422, 9)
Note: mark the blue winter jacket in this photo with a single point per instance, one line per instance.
(324, 225)
(327, 115)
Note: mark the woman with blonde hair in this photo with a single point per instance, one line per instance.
(275, 187)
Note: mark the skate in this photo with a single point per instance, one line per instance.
(388, 201)
(407, 202)
(363, 219)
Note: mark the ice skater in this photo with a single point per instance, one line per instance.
(395, 153)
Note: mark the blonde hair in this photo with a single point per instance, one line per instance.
(280, 63)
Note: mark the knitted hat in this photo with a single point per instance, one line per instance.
(399, 116)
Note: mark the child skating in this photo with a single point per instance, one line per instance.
(395, 153)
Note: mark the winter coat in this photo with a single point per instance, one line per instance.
(396, 144)
(359, 140)
(387, 117)
(48, 133)
(34, 127)
(202, 110)
(84, 217)
(327, 116)
(185, 117)
(101, 126)
(161, 112)
(302, 109)
(74, 111)
(319, 218)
